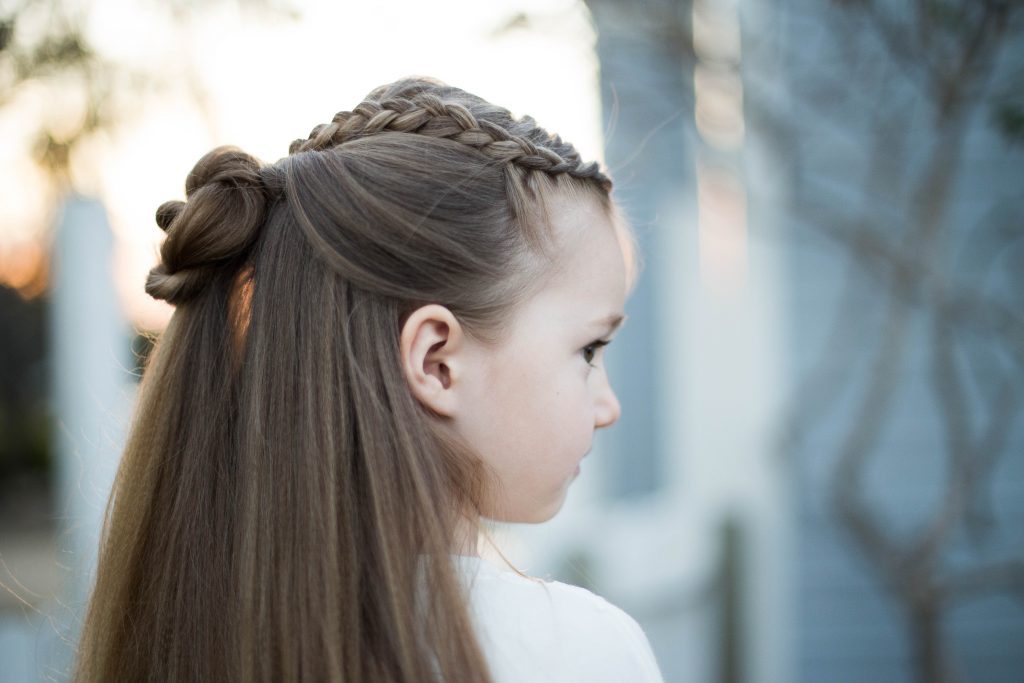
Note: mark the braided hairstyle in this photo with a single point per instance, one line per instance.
(429, 108)
(228, 189)
(283, 498)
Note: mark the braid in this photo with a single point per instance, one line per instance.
(426, 113)
(229, 191)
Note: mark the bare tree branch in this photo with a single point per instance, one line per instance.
(904, 241)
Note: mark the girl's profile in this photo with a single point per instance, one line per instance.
(380, 340)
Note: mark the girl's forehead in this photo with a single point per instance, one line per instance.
(590, 281)
(592, 248)
(581, 225)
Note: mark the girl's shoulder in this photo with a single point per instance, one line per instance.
(540, 630)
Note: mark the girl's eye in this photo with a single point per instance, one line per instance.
(590, 350)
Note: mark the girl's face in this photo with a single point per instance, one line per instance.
(531, 405)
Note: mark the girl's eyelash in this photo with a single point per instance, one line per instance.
(592, 347)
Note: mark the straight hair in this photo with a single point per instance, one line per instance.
(284, 509)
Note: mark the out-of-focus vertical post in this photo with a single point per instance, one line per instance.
(642, 48)
(91, 363)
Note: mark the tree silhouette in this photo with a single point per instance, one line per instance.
(897, 223)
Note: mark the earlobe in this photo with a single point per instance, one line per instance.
(430, 342)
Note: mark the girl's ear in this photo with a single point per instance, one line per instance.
(432, 348)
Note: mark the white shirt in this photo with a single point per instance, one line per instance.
(534, 631)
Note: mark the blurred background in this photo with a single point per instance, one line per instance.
(819, 471)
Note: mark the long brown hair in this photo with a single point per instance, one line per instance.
(283, 500)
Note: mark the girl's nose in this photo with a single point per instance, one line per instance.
(607, 409)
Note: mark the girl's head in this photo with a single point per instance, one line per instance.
(391, 331)
(470, 250)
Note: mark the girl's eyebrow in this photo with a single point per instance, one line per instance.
(612, 322)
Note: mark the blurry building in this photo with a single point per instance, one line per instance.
(903, 211)
(818, 475)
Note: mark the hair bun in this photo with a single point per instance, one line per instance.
(226, 165)
(219, 222)
(167, 212)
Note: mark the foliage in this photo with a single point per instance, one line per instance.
(25, 424)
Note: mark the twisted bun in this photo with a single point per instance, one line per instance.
(221, 219)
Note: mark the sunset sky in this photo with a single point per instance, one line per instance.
(260, 78)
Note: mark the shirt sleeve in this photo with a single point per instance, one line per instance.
(638, 661)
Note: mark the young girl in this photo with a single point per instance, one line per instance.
(378, 341)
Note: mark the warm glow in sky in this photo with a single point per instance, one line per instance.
(259, 79)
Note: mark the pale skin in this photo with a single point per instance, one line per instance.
(530, 405)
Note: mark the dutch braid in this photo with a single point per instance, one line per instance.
(229, 191)
(426, 113)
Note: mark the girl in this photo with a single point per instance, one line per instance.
(378, 341)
